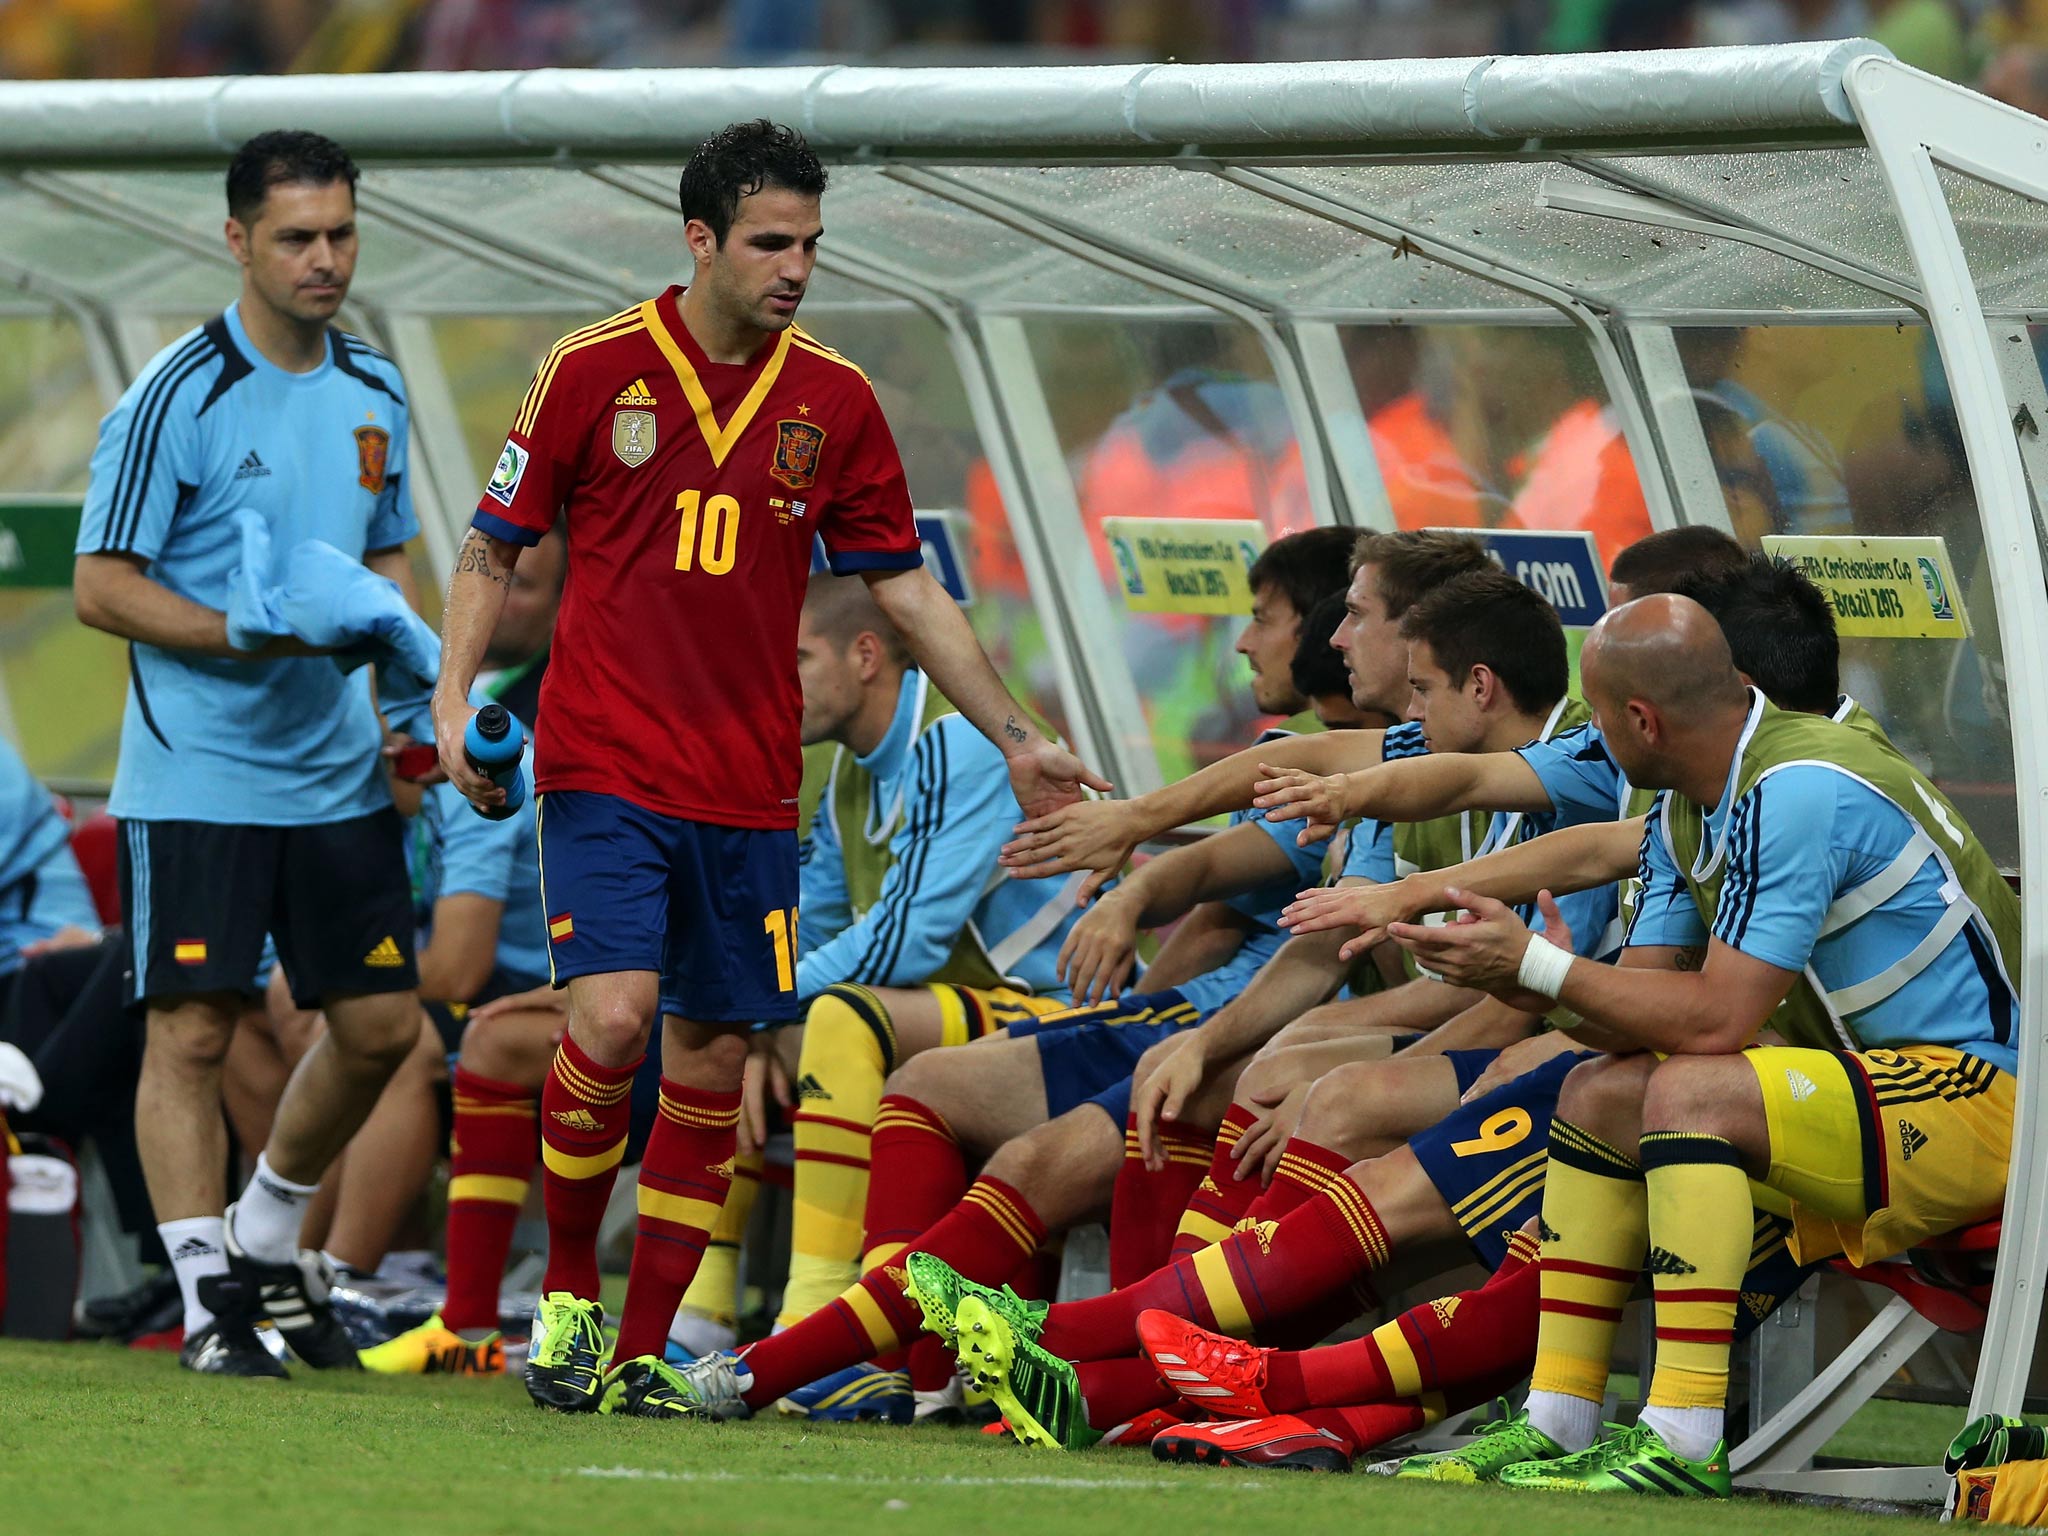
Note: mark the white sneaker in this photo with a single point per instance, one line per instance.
(696, 1333)
(945, 1406)
(719, 1382)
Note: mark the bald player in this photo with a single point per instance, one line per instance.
(1788, 859)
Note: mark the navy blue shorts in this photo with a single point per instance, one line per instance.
(710, 909)
(1487, 1159)
(1087, 1052)
(1469, 1065)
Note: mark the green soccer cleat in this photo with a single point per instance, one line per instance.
(1993, 1439)
(1631, 1460)
(1511, 1442)
(565, 1354)
(1039, 1393)
(648, 1387)
(938, 1290)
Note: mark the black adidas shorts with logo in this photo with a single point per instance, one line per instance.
(200, 896)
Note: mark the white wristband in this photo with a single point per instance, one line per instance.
(1544, 966)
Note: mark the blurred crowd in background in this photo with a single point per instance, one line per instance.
(2000, 44)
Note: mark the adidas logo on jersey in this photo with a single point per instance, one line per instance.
(386, 956)
(1802, 1086)
(1759, 1303)
(1911, 1140)
(808, 1087)
(576, 1119)
(251, 467)
(636, 393)
(193, 1248)
(1663, 1261)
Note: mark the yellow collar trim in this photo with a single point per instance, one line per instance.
(718, 439)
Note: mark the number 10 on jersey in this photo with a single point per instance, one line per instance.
(708, 533)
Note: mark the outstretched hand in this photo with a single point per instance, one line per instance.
(1368, 908)
(1100, 952)
(1048, 776)
(1093, 835)
(1289, 794)
(1164, 1095)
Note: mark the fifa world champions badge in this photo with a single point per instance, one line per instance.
(633, 437)
(796, 454)
(373, 450)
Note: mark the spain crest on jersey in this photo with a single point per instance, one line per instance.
(373, 448)
(796, 454)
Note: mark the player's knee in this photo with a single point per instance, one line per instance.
(847, 1026)
(925, 1078)
(1605, 1095)
(1340, 1102)
(1265, 1074)
(1031, 1163)
(611, 1029)
(377, 1033)
(1700, 1094)
(189, 1041)
(506, 1049)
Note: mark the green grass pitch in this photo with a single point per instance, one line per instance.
(96, 1440)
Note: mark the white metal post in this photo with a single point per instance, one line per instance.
(1334, 398)
(1675, 414)
(444, 479)
(1912, 120)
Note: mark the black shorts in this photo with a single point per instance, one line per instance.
(200, 896)
(450, 1019)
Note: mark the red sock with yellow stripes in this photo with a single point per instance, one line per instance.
(1221, 1199)
(490, 1164)
(1475, 1336)
(1700, 1228)
(985, 1237)
(1146, 1207)
(1595, 1234)
(683, 1182)
(919, 1174)
(1366, 1427)
(584, 1115)
(1257, 1276)
(1114, 1392)
(1305, 1171)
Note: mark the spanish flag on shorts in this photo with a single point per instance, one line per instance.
(563, 927)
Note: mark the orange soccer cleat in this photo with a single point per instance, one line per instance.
(1220, 1375)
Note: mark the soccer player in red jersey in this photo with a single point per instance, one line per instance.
(696, 445)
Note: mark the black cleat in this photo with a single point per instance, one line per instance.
(295, 1297)
(228, 1346)
(565, 1354)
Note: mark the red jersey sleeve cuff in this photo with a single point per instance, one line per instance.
(498, 528)
(851, 561)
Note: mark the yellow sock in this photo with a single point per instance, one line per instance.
(714, 1292)
(1595, 1228)
(1701, 1230)
(848, 1053)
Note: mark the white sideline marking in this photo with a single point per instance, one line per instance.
(1133, 1484)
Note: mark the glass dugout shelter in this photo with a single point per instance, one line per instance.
(1788, 292)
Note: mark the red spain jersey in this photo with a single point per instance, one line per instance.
(692, 491)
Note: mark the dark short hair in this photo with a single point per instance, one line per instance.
(1412, 561)
(1305, 567)
(1658, 562)
(739, 161)
(1780, 629)
(279, 156)
(1489, 619)
(1318, 668)
(841, 608)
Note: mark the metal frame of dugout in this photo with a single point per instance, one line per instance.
(1627, 197)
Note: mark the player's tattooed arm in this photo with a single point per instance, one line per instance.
(475, 558)
(1015, 731)
(1690, 958)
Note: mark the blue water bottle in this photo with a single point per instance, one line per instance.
(494, 745)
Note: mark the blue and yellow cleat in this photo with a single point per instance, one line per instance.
(860, 1394)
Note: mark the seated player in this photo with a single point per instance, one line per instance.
(984, 1096)
(44, 900)
(1787, 854)
(908, 938)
